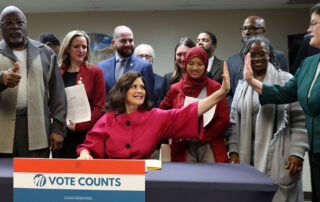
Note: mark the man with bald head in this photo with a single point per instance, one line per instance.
(124, 60)
(252, 25)
(32, 98)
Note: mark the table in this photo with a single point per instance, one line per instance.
(208, 182)
(187, 182)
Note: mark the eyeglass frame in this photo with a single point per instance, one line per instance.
(18, 23)
(145, 56)
(314, 24)
(250, 28)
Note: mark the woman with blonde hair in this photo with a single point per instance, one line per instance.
(76, 69)
(179, 71)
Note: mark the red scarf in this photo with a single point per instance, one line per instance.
(192, 87)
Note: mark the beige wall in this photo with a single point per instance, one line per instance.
(162, 29)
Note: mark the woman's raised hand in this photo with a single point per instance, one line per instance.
(248, 75)
(247, 71)
(226, 79)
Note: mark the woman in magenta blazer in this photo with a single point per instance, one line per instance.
(131, 129)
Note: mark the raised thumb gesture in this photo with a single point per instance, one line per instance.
(11, 78)
(16, 67)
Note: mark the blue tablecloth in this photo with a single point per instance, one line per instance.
(208, 182)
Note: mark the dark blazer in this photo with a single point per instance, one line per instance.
(297, 89)
(134, 63)
(217, 69)
(236, 74)
(158, 80)
(165, 86)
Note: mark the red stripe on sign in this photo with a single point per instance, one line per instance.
(106, 166)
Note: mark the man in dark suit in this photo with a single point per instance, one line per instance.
(253, 25)
(124, 60)
(146, 52)
(208, 42)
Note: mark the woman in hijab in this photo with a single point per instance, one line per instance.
(197, 85)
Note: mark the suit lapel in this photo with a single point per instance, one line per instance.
(214, 68)
(32, 52)
(310, 73)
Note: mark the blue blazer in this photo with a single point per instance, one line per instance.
(158, 80)
(134, 63)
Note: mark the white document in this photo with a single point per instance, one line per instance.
(78, 104)
(207, 117)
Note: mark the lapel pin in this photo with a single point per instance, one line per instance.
(80, 81)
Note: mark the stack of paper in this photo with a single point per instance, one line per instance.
(153, 164)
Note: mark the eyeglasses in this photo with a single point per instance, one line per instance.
(313, 24)
(250, 28)
(18, 23)
(145, 56)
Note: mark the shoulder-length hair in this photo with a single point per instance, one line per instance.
(118, 93)
(184, 41)
(64, 57)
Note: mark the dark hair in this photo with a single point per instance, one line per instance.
(185, 41)
(315, 9)
(117, 95)
(212, 37)
(49, 37)
(258, 38)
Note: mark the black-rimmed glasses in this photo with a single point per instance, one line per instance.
(250, 28)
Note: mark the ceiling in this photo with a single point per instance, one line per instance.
(41, 6)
